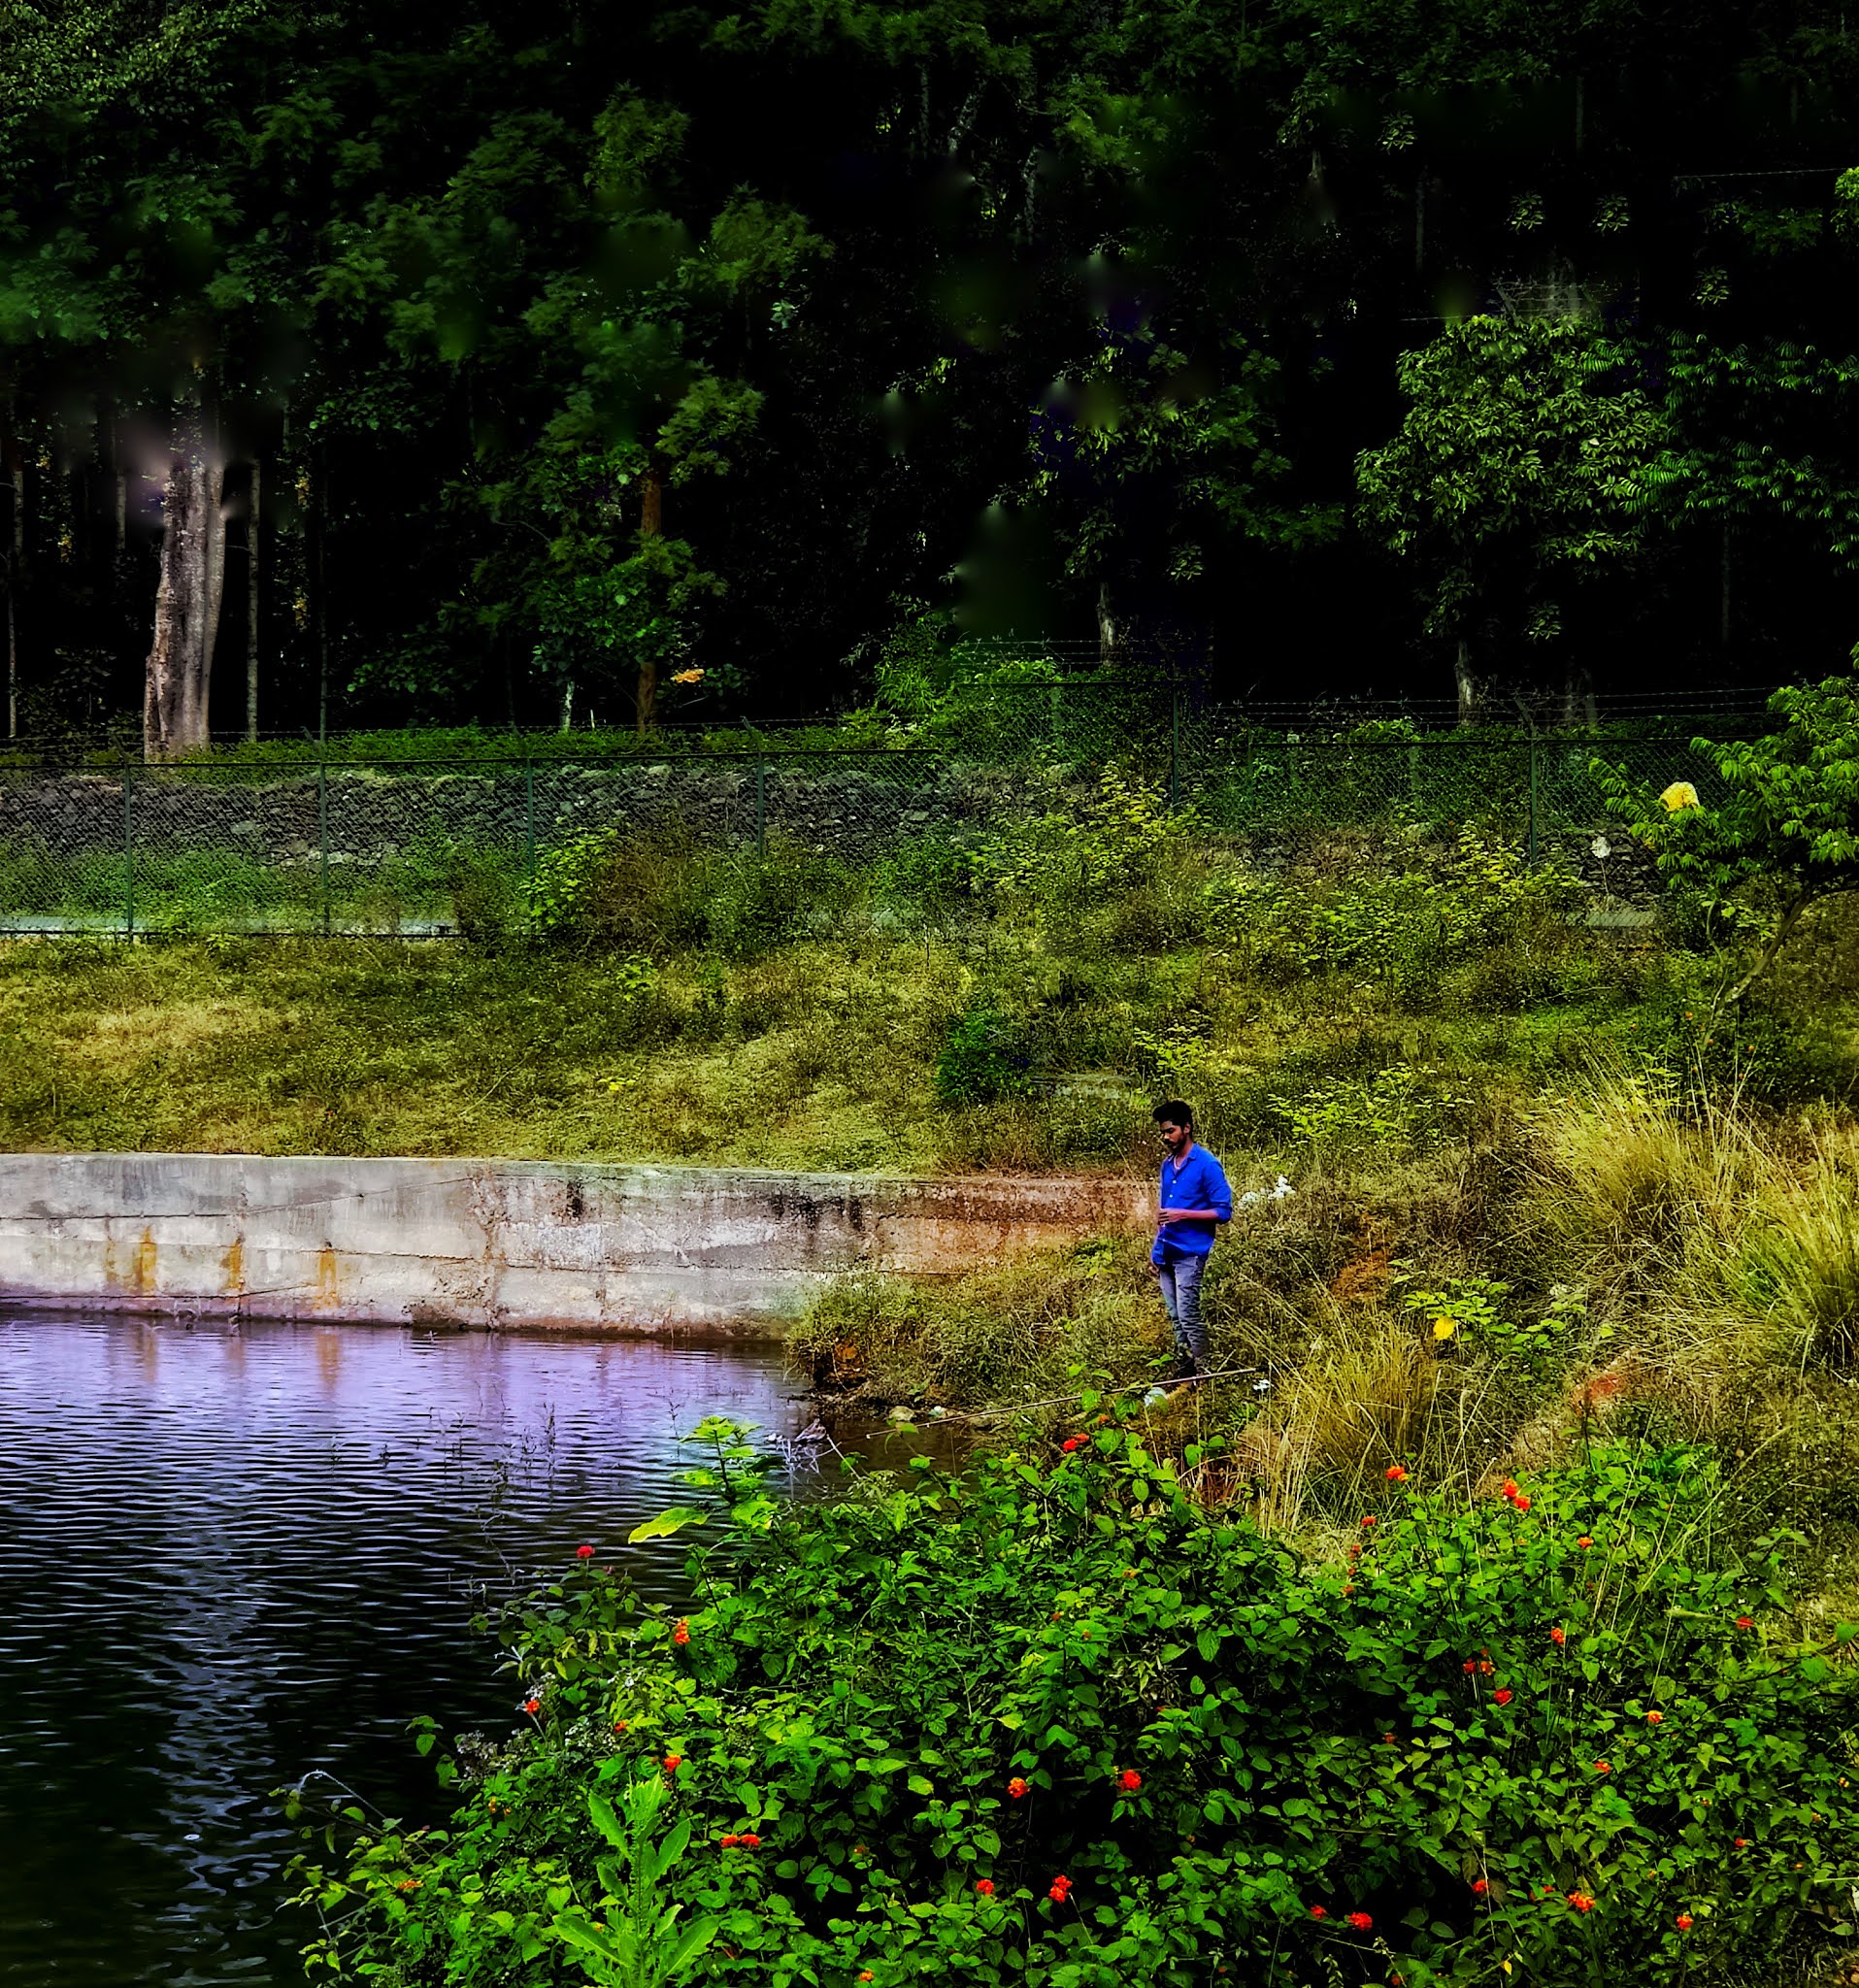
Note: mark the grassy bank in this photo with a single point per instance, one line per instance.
(1014, 1001)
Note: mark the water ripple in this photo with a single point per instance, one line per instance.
(228, 1556)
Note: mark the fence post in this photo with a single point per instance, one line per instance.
(1530, 861)
(529, 823)
(761, 808)
(1174, 748)
(128, 850)
(323, 838)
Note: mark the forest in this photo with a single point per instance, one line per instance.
(408, 364)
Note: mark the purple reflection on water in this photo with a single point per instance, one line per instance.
(228, 1556)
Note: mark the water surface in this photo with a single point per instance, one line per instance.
(231, 1555)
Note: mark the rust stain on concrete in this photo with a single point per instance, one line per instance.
(142, 1274)
(328, 1280)
(232, 1269)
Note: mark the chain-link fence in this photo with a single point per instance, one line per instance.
(341, 846)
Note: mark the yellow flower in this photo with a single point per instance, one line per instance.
(688, 676)
(1444, 1329)
(1679, 794)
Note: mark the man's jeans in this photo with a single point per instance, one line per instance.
(1180, 1281)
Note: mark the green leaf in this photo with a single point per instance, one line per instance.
(668, 1522)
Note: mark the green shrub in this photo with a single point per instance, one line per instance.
(983, 1060)
(1055, 1723)
(925, 884)
(758, 904)
(622, 887)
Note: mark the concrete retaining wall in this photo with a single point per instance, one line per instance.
(491, 1243)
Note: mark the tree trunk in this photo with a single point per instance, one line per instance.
(652, 525)
(1578, 699)
(1110, 631)
(252, 548)
(193, 565)
(16, 570)
(1471, 690)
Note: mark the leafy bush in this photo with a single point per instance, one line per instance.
(983, 1060)
(1112, 838)
(759, 904)
(1054, 1722)
(621, 888)
(1403, 929)
(1783, 835)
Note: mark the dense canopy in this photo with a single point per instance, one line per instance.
(565, 351)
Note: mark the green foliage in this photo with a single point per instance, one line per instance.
(1472, 1315)
(1397, 1104)
(628, 1938)
(1516, 475)
(982, 1061)
(1096, 841)
(1783, 834)
(1056, 1722)
(1405, 929)
(1156, 462)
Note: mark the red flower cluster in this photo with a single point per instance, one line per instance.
(1683, 1922)
(985, 1886)
(1395, 1474)
(866, 1974)
(680, 1635)
(532, 1705)
(673, 1762)
(1071, 1444)
(1654, 1718)
(1581, 1901)
(1129, 1781)
(1060, 1891)
(1601, 1766)
(1017, 1787)
(1479, 1886)
(1503, 1695)
(1585, 1543)
(1319, 1912)
(583, 1552)
(1360, 1921)
(1371, 1521)
(1558, 1637)
(1746, 1621)
(619, 1725)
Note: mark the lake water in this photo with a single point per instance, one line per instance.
(229, 1556)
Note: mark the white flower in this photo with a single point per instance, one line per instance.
(1602, 847)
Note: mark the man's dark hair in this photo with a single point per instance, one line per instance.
(1176, 1112)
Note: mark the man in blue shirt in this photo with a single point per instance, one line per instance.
(1194, 1201)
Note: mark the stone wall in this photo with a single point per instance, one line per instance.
(493, 1243)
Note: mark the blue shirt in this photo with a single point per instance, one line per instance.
(1200, 1183)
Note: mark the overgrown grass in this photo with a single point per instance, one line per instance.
(1627, 1258)
(1013, 1000)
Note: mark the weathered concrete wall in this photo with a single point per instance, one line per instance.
(492, 1242)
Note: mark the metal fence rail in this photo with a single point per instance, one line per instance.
(409, 847)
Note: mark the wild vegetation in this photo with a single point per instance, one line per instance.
(1487, 1616)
